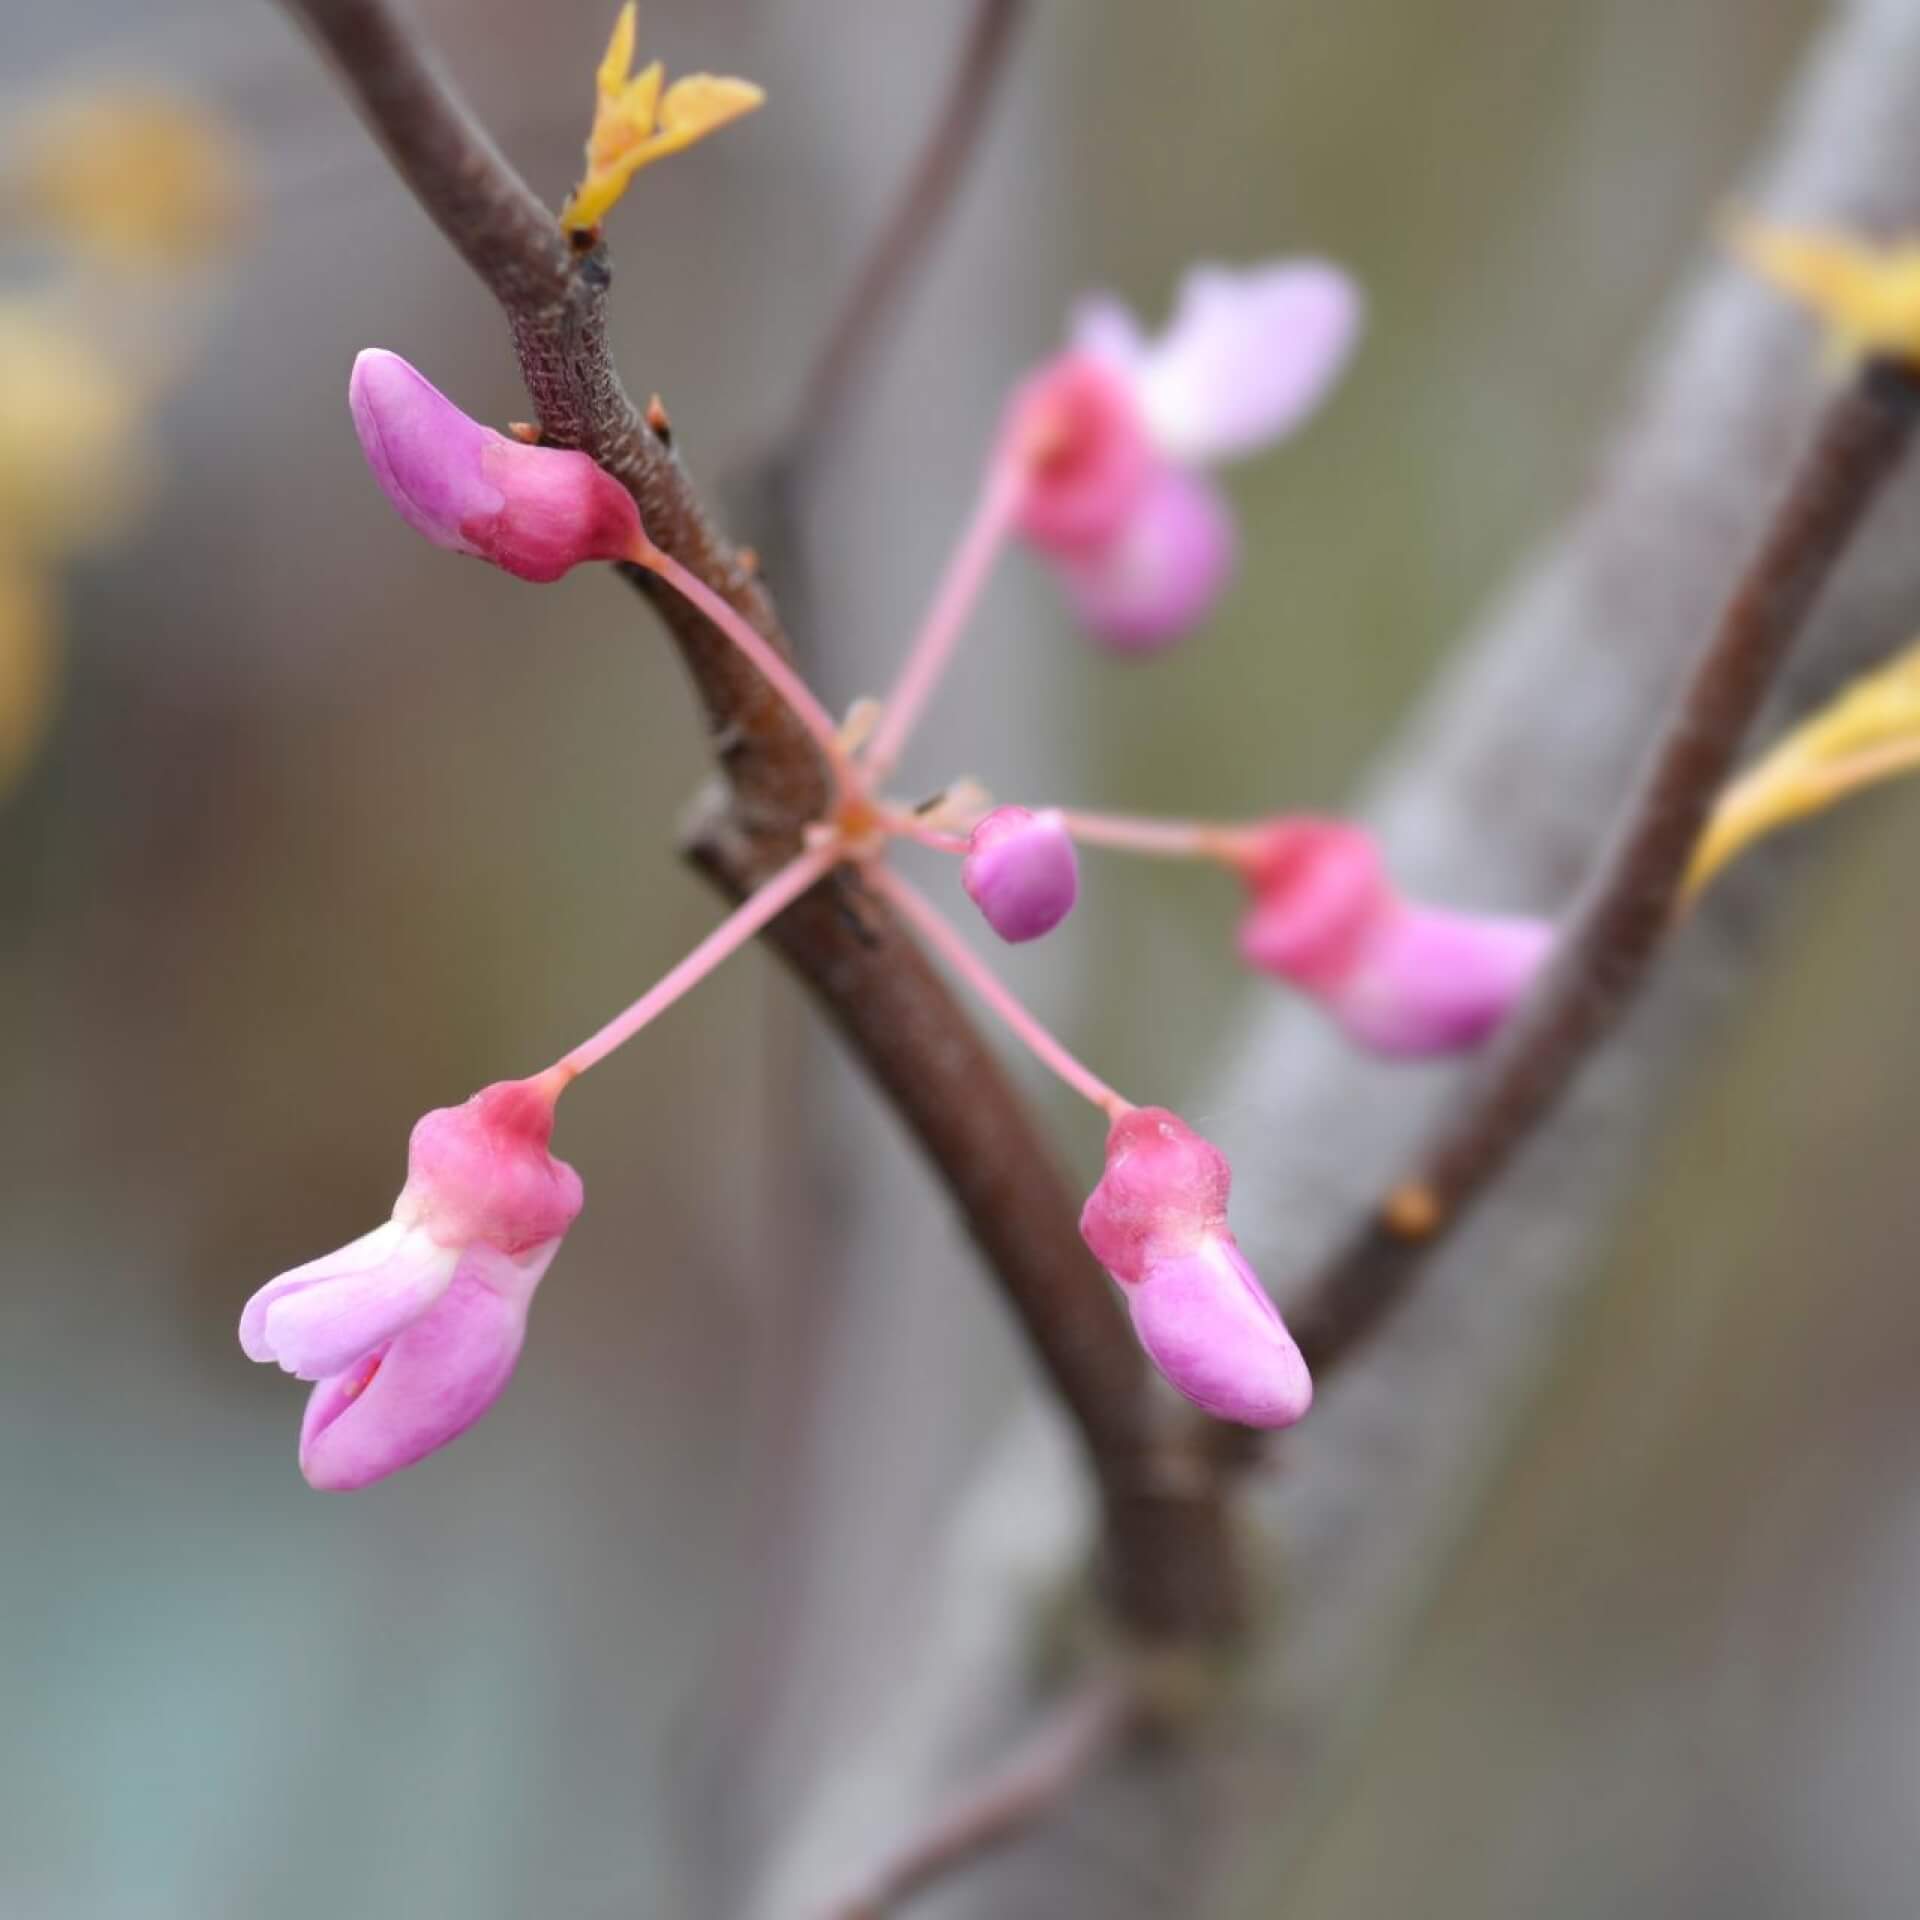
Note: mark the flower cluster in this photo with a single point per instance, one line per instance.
(1102, 467)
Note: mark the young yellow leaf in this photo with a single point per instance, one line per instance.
(1867, 294)
(1868, 733)
(636, 123)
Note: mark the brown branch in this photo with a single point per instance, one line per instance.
(1171, 1573)
(1027, 1786)
(1630, 904)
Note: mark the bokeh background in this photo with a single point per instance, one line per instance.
(327, 828)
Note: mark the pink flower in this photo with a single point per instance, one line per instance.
(1158, 1223)
(535, 511)
(1401, 979)
(1116, 431)
(1021, 871)
(412, 1330)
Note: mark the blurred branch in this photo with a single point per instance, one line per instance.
(772, 489)
(1634, 895)
(1028, 1785)
(902, 247)
(1170, 1570)
(1537, 727)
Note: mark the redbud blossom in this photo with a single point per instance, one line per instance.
(1158, 1223)
(534, 511)
(1021, 871)
(1402, 980)
(1115, 430)
(412, 1330)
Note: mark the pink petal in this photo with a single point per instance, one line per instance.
(1437, 982)
(427, 455)
(1022, 872)
(430, 1384)
(1207, 1324)
(1248, 354)
(319, 1318)
(1161, 574)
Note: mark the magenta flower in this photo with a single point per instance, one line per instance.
(1021, 871)
(534, 511)
(1116, 434)
(1401, 979)
(1157, 1222)
(411, 1331)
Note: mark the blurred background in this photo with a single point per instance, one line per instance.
(308, 828)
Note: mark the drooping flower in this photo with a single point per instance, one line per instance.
(1157, 1221)
(1401, 979)
(534, 511)
(638, 119)
(411, 1331)
(1021, 871)
(1116, 434)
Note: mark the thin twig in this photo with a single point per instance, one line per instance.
(1171, 1572)
(1629, 905)
(905, 242)
(771, 489)
(1027, 1786)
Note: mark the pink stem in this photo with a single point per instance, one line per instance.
(945, 938)
(779, 673)
(1161, 839)
(764, 904)
(946, 619)
(903, 826)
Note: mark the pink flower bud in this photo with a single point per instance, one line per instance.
(534, 511)
(1157, 1222)
(1402, 980)
(1021, 871)
(412, 1330)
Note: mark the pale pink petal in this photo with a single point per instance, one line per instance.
(392, 1263)
(1022, 872)
(1162, 573)
(323, 1317)
(1248, 354)
(430, 1384)
(1106, 328)
(1205, 1321)
(1438, 982)
(536, 512)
